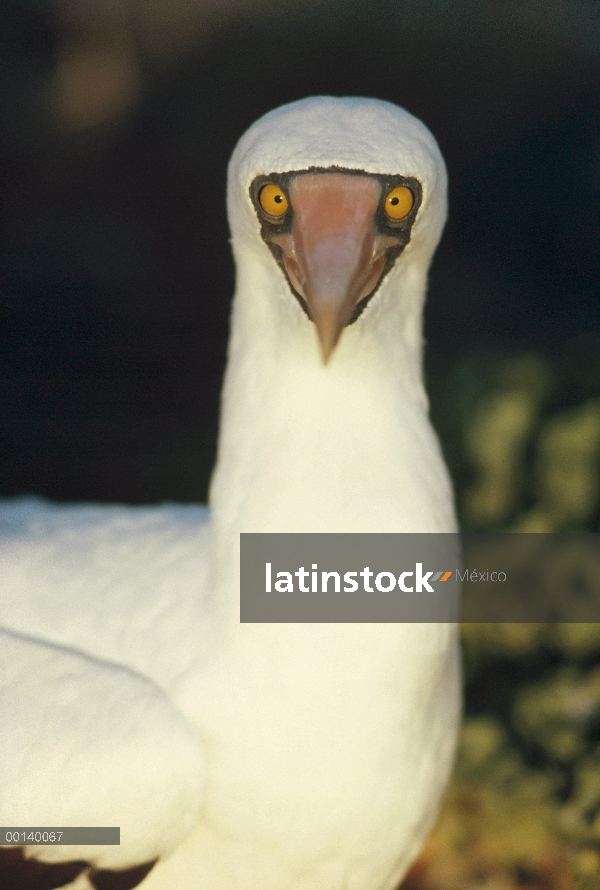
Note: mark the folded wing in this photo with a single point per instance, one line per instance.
(85, 742)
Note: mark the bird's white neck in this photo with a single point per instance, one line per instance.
(309, 447)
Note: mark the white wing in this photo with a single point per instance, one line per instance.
(89, 743)
(125, 584)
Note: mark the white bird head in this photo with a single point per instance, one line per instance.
(324, 371)
(344, 194)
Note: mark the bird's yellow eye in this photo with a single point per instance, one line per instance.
(273, 200)
(399, 202)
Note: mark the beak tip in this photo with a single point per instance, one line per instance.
(328, 340)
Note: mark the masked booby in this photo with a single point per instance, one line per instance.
(253, 756)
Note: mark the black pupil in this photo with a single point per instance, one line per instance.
(278, 199)
(394, 201)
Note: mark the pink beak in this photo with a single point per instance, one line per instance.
(333, 256)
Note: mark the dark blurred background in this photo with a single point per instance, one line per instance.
(118, 118)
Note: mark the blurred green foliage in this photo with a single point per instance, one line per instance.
(523, 809)
(521, 434)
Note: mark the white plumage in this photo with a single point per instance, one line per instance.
(251, 757)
